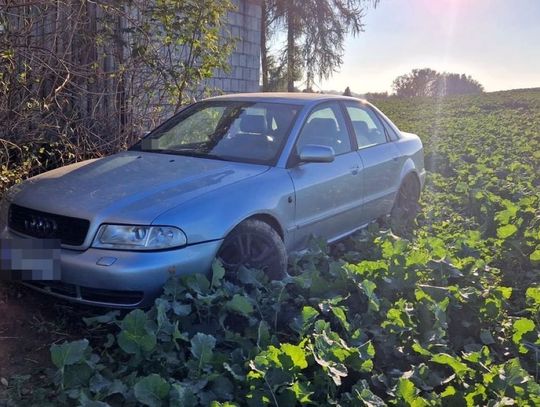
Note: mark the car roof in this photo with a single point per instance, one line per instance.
(283, 97)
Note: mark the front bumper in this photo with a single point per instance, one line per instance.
(122, 279)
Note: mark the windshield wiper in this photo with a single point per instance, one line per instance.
(188, 153)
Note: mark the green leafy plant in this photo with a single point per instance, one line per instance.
(448, 315)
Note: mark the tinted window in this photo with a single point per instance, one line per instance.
(367, 127)
(326, 126)
(235, 131)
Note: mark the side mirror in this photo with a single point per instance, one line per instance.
(314, 153)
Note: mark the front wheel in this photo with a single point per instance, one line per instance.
(254, 244)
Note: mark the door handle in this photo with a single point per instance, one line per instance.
(355, 170)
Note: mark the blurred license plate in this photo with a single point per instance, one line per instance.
(29, 259)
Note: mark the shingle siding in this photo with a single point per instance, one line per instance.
(245, 24)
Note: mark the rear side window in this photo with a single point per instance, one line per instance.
(393, 131)
(368, 128)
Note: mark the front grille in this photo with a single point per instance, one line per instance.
(42, 225)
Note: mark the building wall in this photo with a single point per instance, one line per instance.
(244, 24)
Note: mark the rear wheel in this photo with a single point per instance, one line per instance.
(254, 244)
(406, 205)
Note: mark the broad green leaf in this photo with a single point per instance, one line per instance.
(240, 304)
(98, 383)
(506, 231)
(514, 374)
(533, 295)
(84, 401)
(363, 393)
(251, 276)
(521, 327)
(535, 256)
(174, 287)
(417, 257)
(197, 282)
(152, 390)
(368, 287)
(420, 349)
(202, 348)
(305, 319)
(297, 355)
(360, 358)
(77, 375)
(449, 391)
(181, 310)
(443, 358)
(408, 392)
(486, 337)
(117, 387)
(505, 291)
(302, 392)
(368, 268)
(218, 272)
(181, 395)
(504, 217)
(68, 353)
(136, 335)
(339, 313)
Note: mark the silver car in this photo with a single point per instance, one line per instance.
(243, 178)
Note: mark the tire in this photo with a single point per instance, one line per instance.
(405, 206)
(254, 244)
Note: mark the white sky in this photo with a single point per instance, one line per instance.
(497, 42)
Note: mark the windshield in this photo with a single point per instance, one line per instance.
(234, 131)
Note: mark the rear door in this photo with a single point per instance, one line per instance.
(328, 195)
(380, 159)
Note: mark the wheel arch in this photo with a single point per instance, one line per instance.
(270, 220)
(409, 169)
(412, 175)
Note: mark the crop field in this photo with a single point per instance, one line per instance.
(447, 314)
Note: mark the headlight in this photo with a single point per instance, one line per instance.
(126, 237)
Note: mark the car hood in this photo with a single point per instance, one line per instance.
(130, 187)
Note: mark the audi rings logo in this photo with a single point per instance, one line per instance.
(40, 227)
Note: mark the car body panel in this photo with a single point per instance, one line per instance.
(144, 272)
(381, 179)
(213, 216)
(208, 198)
(120, 188)
(328, 197)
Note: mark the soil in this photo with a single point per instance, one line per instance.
(30, 322)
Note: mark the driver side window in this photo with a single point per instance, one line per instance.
(326, 126)
(367, 127)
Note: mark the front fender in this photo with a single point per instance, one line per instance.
(213, 215)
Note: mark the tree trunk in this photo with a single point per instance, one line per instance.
(264, 48)
(290, 48)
